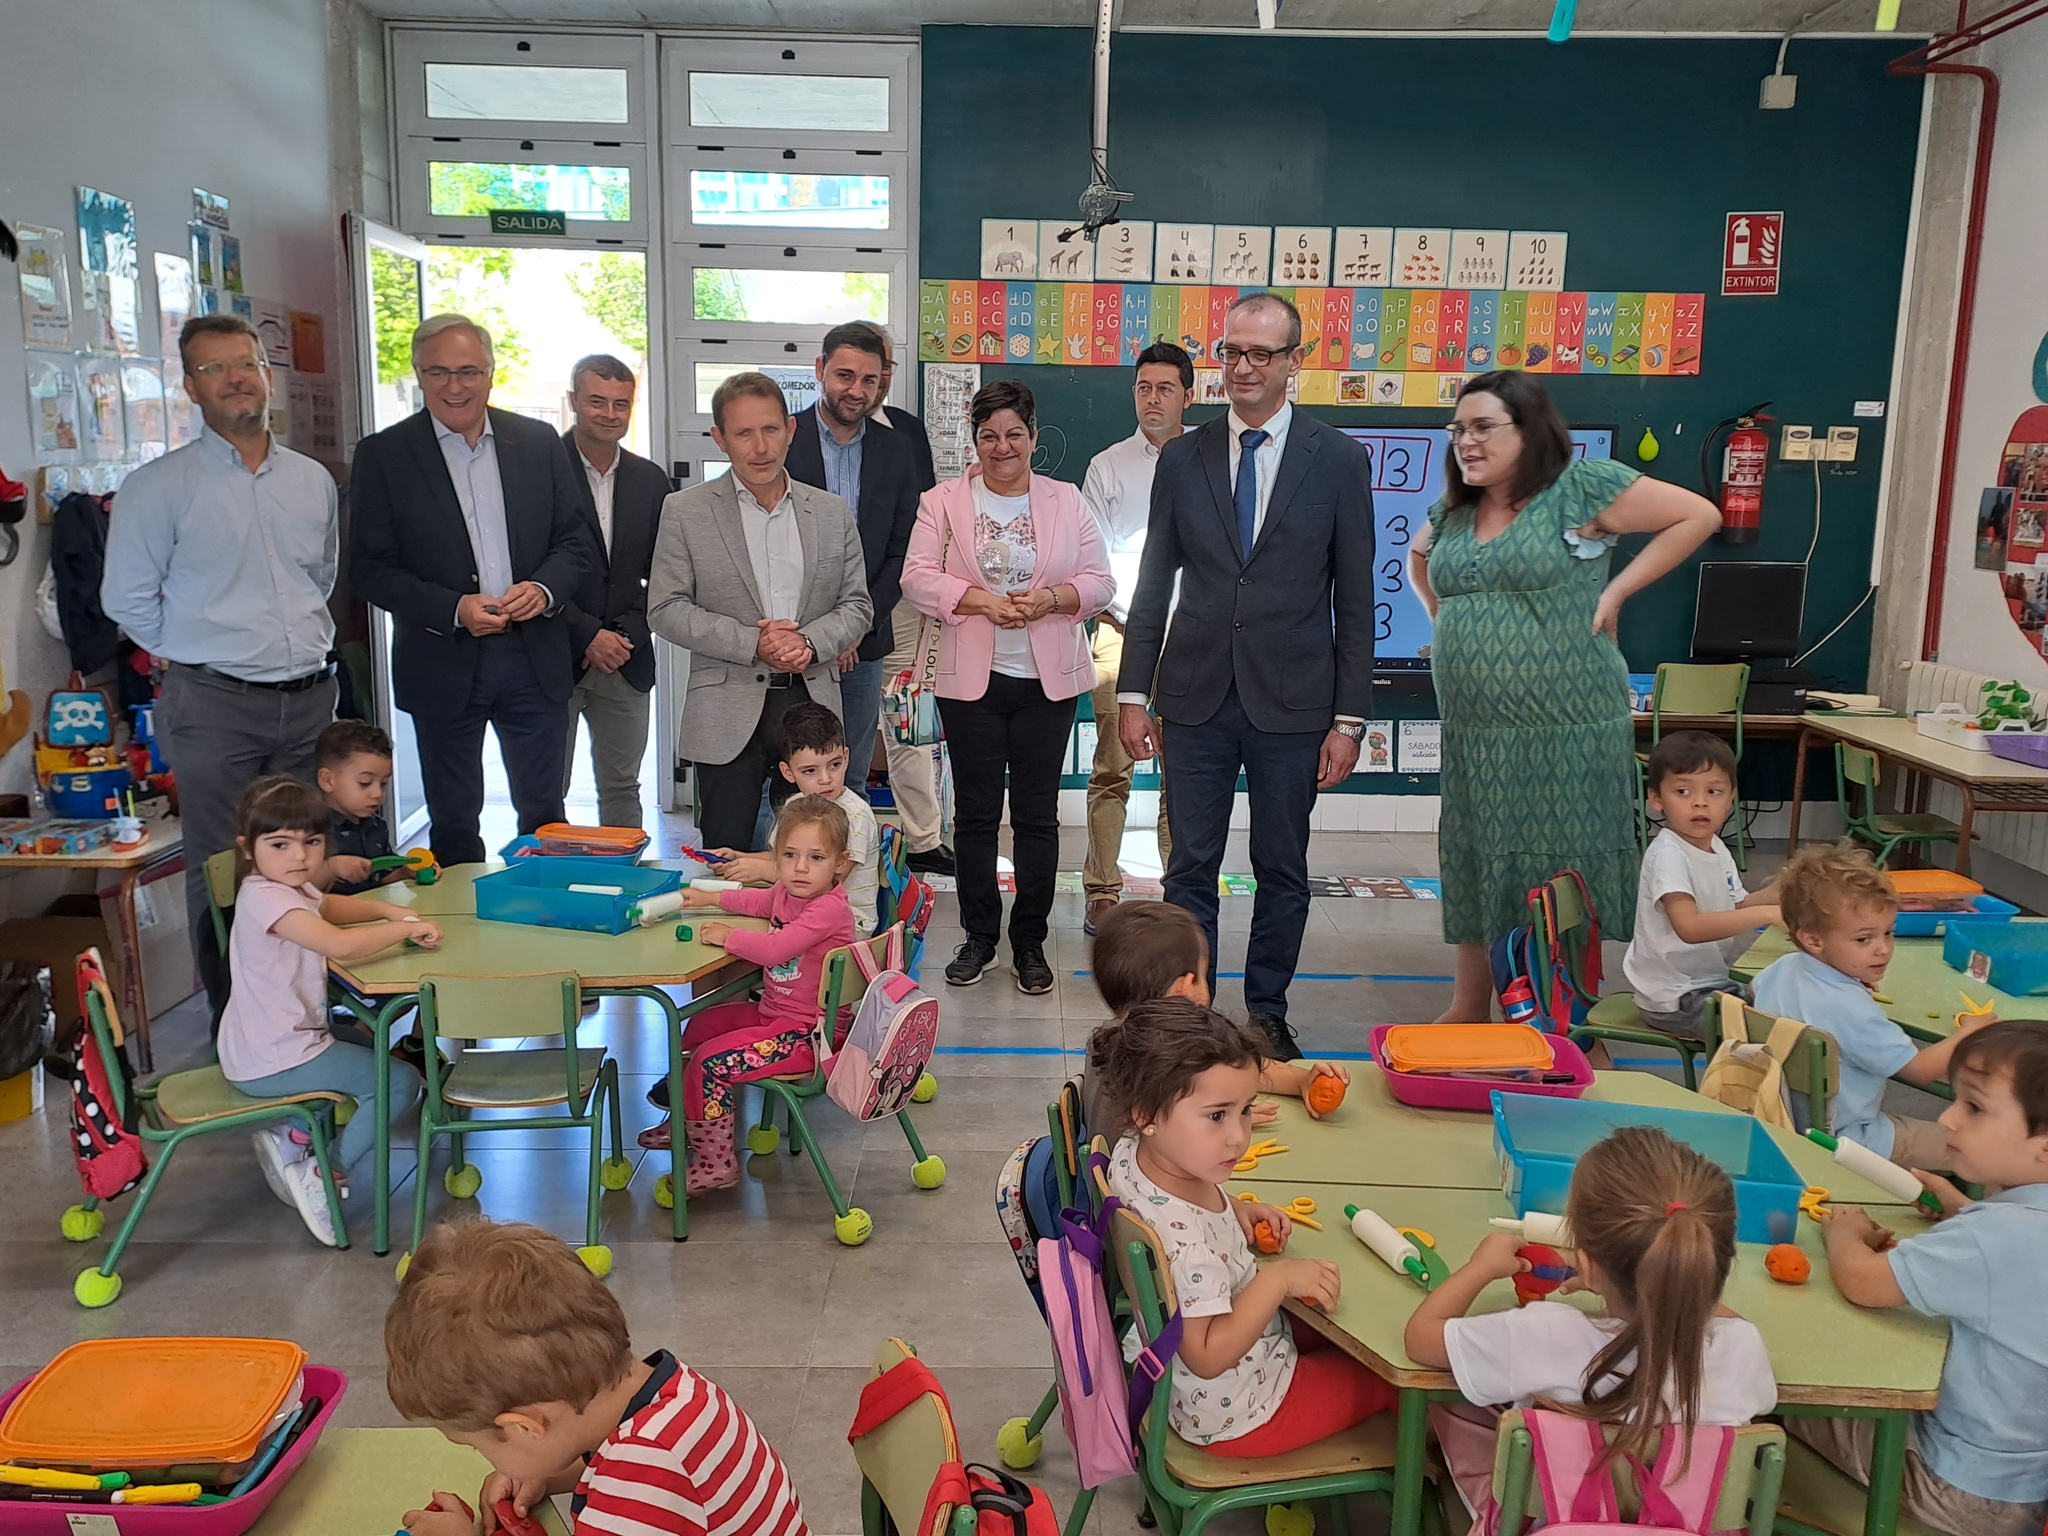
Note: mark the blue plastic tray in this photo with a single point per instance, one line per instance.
(1983, 907)
(1540, 1140)
(537, 891)
(2017, 954)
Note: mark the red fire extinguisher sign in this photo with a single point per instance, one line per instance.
(1752, 251)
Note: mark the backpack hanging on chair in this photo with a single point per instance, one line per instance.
(891, 1041)
(103, 1139)
(1749, 1076)
(1521, 968)
(1679, 1490)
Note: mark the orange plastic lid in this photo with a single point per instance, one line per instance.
(1466, 1048)
(1933, 882)
(138, 1402)
(616, 837)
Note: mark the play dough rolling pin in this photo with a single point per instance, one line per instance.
(1886, 1175)
(1537, 1227)
(1374, 1230)
(650, 910)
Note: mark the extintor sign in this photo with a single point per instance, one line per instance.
(1752, 252)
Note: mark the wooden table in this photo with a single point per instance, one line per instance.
(361, 1482)
(641, 962)
(166, 841)
(1984, 780)
(1754, 727)
(1372, 1139)
(1922, 989)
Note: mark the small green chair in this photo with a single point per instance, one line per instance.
(1884, 830)
(1749, 1486)
(1813, 1067)
(583, 1079)
(842, 988)
(1692, 688)
(167, 1113)
(221, 886)
(901, 1459)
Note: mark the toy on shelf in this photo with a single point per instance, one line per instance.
(1546, 1272)
(1787, 1264)
(1399, 1251)
(81, 773)
(1885, 1174)
(1324, 1093)
(420, 865)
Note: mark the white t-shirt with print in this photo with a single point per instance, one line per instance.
(863, 841)
(1211, 1262)
(1006, 547)
(1660, 966)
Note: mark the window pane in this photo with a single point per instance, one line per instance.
(472, 188)
(799, 385)
(791, 298)
(538, 93)
(813, 103)
(783, 200)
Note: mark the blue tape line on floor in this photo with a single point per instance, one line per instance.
(1003, 1050)
(1321, 976)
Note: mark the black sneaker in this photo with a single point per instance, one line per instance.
(969, 961)
(1285, 1046)
(1027, 964)
(933, 861)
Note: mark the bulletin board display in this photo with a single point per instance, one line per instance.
(1407, 479)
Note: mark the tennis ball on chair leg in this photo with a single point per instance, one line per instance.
(1019, 1447)
(80, 1225)
(762, 1140)
(1290, 1520)
(926, 1090)
(94, 1289)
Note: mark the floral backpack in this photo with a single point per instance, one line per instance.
(891, 1041)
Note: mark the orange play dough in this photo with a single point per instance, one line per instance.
(1788, 1263)
(1324, 1094)
(1263, 1237)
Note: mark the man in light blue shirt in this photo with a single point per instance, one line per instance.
(220, 559)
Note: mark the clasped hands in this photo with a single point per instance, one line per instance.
(482, 614)
(1013, 611)
(782, 645)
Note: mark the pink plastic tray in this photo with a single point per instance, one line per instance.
(1427, 1091)
(229, 1519)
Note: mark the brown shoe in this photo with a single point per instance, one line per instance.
(1098, 909)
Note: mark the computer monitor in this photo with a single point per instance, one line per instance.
(1749, 610)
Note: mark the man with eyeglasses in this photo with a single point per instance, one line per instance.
(468, 528)
(1264, 516)
(220, 560)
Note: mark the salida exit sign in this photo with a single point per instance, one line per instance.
(529, 221)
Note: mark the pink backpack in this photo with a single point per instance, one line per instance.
(1579, 1495)
(891, 1041)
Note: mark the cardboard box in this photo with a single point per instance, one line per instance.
(55, 939)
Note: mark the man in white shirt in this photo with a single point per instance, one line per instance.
(1118, 490)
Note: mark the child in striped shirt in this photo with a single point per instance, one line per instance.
(503, 1341)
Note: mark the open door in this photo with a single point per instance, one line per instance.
(387, 276)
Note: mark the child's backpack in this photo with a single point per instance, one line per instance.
(1532, 971)
(103, 1139)
(891, 1041)
(1748, 1076)
(1003, 1505)
(1678, 1491)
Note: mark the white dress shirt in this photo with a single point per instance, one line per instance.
(482, 495)
(776, 550)
(1118, 490)
(213, 564)
(602, 483)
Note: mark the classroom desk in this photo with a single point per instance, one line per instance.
(361, 1482)
(1372, 1139)
(1922, 987)
(638, 963)
(166, 841)
(1754, 727)
(1985, 780)
(1829, 1357)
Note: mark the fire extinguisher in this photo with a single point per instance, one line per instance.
(1740, 492)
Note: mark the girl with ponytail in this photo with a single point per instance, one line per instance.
(1654, 1224)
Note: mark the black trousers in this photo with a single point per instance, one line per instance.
(1013, 729)
(729, 794)
(533, 739)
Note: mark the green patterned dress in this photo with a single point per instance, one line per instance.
(1538, 747)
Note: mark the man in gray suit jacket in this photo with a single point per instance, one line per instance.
(762, 580)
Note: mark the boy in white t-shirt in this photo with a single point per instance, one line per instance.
(1693, 917)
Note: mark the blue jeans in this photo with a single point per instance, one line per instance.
(1201, 767)
(349, 1069)
(860, 707)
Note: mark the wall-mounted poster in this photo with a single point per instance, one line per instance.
(209, 208)
(100, 411)
(111, 313)
(309, 342)
(182, 421)
(53, 408)
(1994, 523)
(142, 406)
(106, 232)
(173, 302)
(274, 330)
(204, 273)
(231, 264)
(45, 287)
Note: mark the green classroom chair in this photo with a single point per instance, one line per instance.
(584, 1080)
(1817, 1499)
(840, 991)
(1884, 830)
(221, 886)
(1692, 688)
(1813, 1067)
(1749, 1487)
(168, 1113)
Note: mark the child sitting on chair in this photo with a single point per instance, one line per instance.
(1977, 1463)
(1183, 1078)
(737, 1043)
(1693, 918)
(1840, 908)
(1654, 1224)
(352, 766)
(504, 1342)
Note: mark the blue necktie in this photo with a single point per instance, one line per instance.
(1245, 495)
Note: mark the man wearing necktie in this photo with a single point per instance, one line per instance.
(1264, 517)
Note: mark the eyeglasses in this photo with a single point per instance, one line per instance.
(241, 365)
(1478, 431)
(1258, 357)
(459, 375)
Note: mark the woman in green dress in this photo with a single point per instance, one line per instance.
(1538, 746)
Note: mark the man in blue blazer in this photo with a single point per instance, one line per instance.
(1264, 516)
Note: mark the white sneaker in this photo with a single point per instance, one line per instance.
(310, 1196)
(275, 1153)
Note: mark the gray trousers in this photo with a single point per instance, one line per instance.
(616, 713)
(219, 737)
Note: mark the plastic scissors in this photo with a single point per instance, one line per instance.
(1813, 1200)
(1300, 1208)
(1257, 1150)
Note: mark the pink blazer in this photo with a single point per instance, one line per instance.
(1070, 551)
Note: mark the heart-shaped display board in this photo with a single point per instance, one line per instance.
(2012, 524)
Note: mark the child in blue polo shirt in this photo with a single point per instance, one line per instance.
(1977, 1465)
(1840, 908)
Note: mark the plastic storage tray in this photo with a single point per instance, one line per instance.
(538, 891)
(1980, 908)
(1540, 1140)
(526, 848)
(2012, 957)
(229, 1519)
(2029, 747)
(1426, 1090)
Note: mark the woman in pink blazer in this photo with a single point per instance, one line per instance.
(1011, 565)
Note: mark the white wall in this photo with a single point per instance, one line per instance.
(2012, 317)
(148, 102)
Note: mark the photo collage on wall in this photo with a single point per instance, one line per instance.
(2012, 525)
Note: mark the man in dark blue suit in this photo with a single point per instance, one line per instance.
(1265, 518)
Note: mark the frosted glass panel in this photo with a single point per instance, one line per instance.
(534, 92)
(809, 103)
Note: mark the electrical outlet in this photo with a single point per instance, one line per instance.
(1841, 444)
(1796, 443)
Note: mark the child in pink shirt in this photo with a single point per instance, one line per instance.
(809, 917)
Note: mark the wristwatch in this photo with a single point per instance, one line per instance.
(1355, 729)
